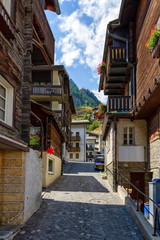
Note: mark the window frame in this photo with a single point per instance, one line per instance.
(129, 136)
(77, 154)
(9, 104)
(51, 171)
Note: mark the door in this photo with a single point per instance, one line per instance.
(137, 179)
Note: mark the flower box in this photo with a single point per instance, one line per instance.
(156, 50)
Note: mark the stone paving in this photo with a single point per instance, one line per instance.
(80, 205)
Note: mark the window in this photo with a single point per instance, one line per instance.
(77, 155)
(77, 145)
(77, 134)
(7, 5)
(71, 155)
(50, 165)
(128, 137)
(6, 101)
(2, 102)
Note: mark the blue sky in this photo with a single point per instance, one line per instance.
(79, 38)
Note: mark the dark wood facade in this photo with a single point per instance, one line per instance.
(18, 31)
(132, 78)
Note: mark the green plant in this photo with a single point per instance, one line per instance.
(101, 69)
(153, 38)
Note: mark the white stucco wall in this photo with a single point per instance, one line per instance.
(55, 80)
(140, 138)
(50, 177)
(140, 133)
(56, 105)
(33, 184)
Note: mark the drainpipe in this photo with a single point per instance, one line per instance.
(115, 163)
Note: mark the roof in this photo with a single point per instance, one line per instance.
(80, 122)
(53, 5)
(49, 112)
(52, 67)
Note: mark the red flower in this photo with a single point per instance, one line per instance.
(50, 150)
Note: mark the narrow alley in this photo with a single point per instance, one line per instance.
(80, 205)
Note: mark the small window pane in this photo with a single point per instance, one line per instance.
(2, 91)
(50, 165)
(77, 155)
(2, 103)
(2, 115)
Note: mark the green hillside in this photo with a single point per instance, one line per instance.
(83, 97)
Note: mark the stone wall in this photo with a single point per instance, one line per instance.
(12, 187)
(155, 158)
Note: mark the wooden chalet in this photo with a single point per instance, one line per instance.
(50, 89)
(25, 41)
(131, 81)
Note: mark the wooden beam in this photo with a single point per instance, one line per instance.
(37, 42)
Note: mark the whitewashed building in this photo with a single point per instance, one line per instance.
(77, 150)
(93, 145)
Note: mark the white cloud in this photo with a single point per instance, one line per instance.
(84, 43)
(100, 96)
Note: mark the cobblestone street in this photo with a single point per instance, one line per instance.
(80, 205)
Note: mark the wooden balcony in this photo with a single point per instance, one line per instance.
(44, 41)
(75, 138)
(119, 104)
(118, 72)
(51, 90)
(117, 56)
(74, 149)
(7, 26)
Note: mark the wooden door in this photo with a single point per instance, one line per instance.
(137, 179)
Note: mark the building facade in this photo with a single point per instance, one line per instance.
(131, 81)
(93, 145)
(24, 41)
(77, 150)
(51, 91)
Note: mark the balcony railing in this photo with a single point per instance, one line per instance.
(7, 27)
(117, 55)
(58, 114)
(119, 104)
(90, 148)
(90, 156)
(43, 29)
(74, 149)
(75, 138)
(46, 90)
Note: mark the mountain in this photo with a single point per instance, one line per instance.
(83, 97)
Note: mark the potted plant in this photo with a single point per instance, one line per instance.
(153, 42)
(101, 69)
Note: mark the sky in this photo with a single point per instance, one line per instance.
(79, 34)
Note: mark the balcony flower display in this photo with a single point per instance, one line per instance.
(153, 38)
(101, 69)
(50, 150)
